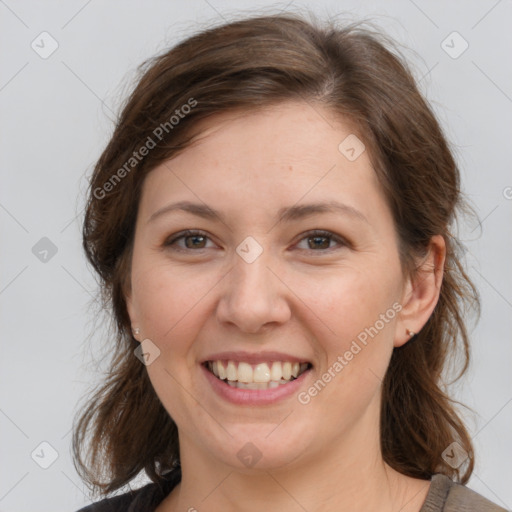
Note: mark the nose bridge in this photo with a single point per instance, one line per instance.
(252, 295)
(251, 272)
(251, 260)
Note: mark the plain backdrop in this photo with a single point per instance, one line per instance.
(56, 116)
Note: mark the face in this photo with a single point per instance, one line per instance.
(264, 286)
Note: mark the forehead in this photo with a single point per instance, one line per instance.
(267, 157)
(286, 131)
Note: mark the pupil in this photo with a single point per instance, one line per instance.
(317, 238)
(194, 238)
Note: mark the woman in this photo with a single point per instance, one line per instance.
(271, 225)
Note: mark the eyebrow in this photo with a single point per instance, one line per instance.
(286, 214)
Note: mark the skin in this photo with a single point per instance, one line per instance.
(295, 297)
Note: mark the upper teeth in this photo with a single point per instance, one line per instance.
(262, 372)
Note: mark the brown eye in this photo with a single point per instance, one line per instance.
(195, 241)
(192, 239)
(320, 241)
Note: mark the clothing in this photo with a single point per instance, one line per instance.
(444, 495)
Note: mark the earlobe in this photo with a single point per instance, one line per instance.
(421, 292)
(133, 320)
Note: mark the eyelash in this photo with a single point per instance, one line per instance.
(310, 234)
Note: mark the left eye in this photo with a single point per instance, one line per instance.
(322, 240)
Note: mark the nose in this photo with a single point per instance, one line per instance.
(253, 296)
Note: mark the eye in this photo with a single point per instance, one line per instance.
(319, 240)
(193, 240)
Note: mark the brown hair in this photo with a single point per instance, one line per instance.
(244, 65)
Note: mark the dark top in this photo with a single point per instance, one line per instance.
(444, 495)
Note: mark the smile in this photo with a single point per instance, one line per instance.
(266, 375)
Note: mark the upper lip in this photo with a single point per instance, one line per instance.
(254, 357)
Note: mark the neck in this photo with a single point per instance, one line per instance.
(346, 478)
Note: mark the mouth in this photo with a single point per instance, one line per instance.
(261, 376)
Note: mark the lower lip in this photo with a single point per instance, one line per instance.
(254, 396)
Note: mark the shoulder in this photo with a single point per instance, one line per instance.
(145, 498)
(445, 495)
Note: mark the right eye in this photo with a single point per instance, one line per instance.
(193, 239)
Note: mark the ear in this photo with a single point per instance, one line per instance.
(421, 292)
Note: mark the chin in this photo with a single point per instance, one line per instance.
(260, 447)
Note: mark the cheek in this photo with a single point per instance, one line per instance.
(165, 298)
(349, 301)
(358, 309)
(169, 306)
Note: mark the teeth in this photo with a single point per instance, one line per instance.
(287, 371)
(256, 385)
(231, 372)
(261, 373)
(222, 372)
(260, 376)
(276, 371)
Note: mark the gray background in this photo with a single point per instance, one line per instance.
(56, 116)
